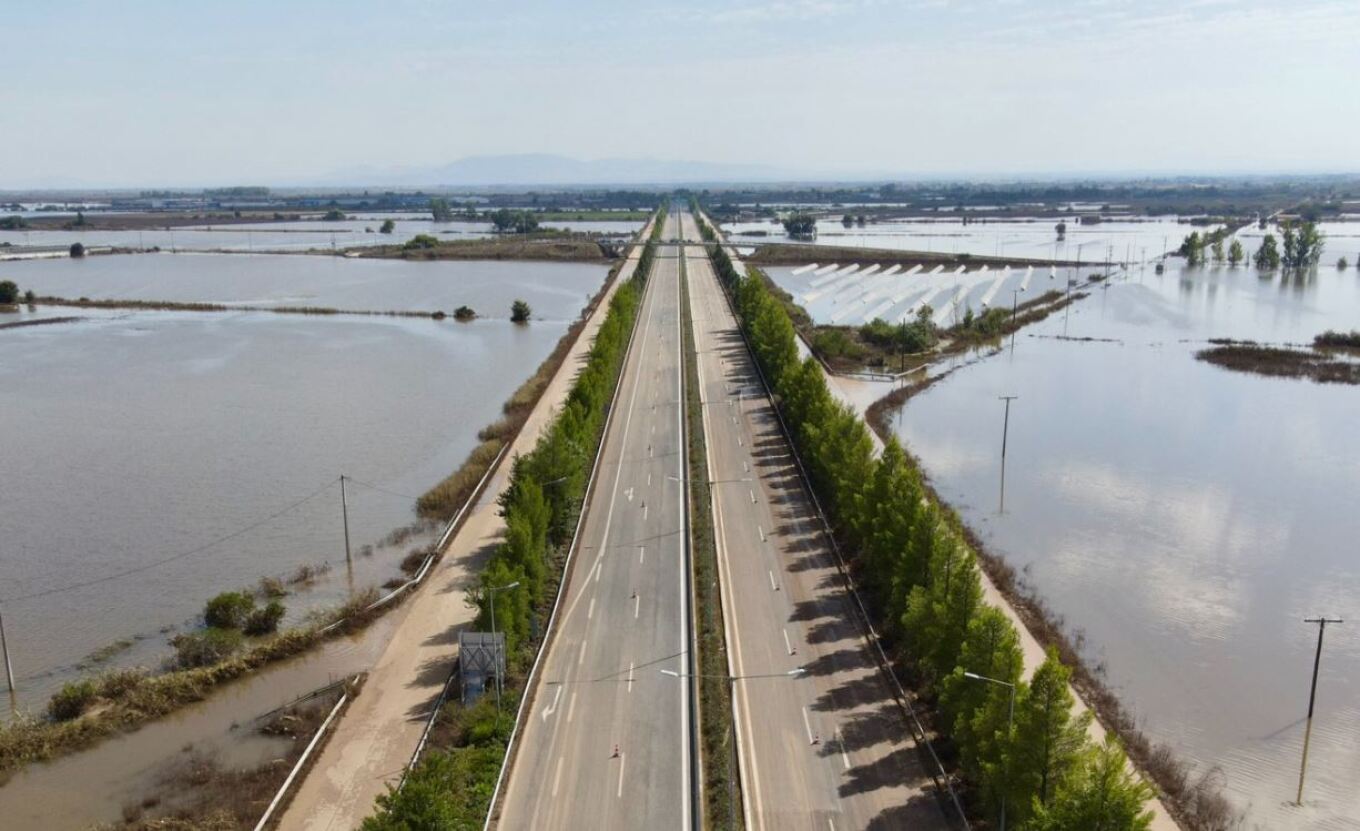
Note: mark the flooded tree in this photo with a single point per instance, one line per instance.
(1061, 228)
(387, 227)
(440, 210)
(1235, 253)
(520, 312)
(800, 225)
(1267, 257)
(1302, 246)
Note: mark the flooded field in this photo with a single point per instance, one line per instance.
(287, 236)
(143, 436)
(555, 291)
(1118, 241)
(1182, 517)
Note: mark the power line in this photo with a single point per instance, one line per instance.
(181, 555)
(374, 487)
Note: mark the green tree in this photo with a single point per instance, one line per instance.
(1217, 249)
(440, 210)
(520, 312)
(1235, 252)
(419, 242)
(9, 292)
(1192, 248)
(335, 215)
(847, 220)
(77, 250)
(980, 710)
(1341, 264)
(387, 227)
(938, 613)
(1061, 229)
(1267, 257)
(1047, 739)
(800, 225)
(1099, 794)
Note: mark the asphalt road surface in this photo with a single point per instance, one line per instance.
(607, 743)
(827, 748)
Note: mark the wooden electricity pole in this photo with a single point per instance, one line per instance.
(1312, 697)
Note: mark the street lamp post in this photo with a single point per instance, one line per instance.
(491, 596)
(1010, 724)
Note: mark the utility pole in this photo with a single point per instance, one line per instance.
(1312, 697)
(344, 514)
(4, 647)
(1005, 430)
(491, 597)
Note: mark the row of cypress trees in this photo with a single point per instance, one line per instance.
(920, 577)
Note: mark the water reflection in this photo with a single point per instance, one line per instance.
(1185, 518)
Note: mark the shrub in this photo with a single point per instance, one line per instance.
(420, 241)
(266, 620)
(228, 610)
(520, 312)
(9, 292)
(201, 649)
(119, 682)
(1341, 264)
(71, 700)
(335, 215)
(464, 313)
(387, 226)
(77, 250)
(272, 587)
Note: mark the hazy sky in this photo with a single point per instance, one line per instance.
(273, 92)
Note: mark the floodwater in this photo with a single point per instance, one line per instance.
(1183, 517)
(214, 442)
(298, 235)
(555, 291)
(1116, 241)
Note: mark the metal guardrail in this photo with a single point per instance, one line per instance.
(864, 619)
(301, 762)
(566, 565)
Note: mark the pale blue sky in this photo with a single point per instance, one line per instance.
(175, 93)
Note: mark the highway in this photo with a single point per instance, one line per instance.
(607, 741)
(827, 748)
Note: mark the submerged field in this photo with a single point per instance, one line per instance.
(1183, 518)
(143, 435)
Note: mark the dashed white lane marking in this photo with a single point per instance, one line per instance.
(644, 513)
(581, 659)
(787, 645)
(753, 495)
(623, 759)
(840, 740)
(773, 587)
(762, 533)
(745, 468)
(642, 553)
(571, 708)
(630, 676)
(590, 613)
(740, 443)
(649, 480)
(637, 605)
(557, 776)
(807, 725)
(552, 709)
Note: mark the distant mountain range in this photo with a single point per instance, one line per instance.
(547, 169)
